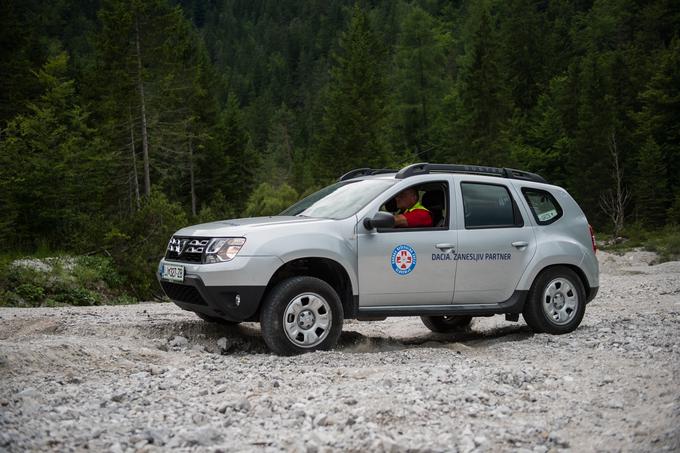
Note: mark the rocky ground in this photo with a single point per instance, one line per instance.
(152, 377)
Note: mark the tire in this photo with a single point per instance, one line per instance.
(224, 322)
(556, 302)
(313, 311)
(445, 324)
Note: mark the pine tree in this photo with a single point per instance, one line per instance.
(354, 119)
(659, 123)
(478, 105)
(651, 189)
(53, 165)
(419, 79)
(231, 162)
(148, 54)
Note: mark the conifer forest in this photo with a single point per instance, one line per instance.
(124, 120)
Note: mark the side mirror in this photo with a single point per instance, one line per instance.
(380, 220)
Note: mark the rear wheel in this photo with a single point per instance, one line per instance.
(556, 303)
(212, 319)
(301, 314)
(444, 324)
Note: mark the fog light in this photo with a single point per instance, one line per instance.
(237, 300)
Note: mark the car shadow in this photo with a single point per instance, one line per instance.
(247, 338)
(351, 341)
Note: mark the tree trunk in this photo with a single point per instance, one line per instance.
(614, 202)
(142, 103)
(191, 178)
(134, 162)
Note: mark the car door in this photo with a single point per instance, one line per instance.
(407, 266)
(495, 242)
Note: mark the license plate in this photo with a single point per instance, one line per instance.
(172, 273)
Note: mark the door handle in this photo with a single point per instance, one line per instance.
(520, 244)
(445, 247)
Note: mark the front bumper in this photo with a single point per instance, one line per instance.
(235, 303)
(211, 289)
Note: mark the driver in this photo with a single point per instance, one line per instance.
(411, 213)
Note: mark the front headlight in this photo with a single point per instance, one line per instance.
(223, 249)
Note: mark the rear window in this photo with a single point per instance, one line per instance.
(489, 206)
(544, 207)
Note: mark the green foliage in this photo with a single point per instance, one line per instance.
(354, 118)
(138, 244)
(269, 200)
(419, 79)
(231, 108)
(65, 280)
(51, 164)
(651, 189)
(666, 243)
(77, 296)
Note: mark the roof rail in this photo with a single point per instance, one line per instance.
(425, 168)
(365, 172)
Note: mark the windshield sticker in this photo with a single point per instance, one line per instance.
(403, 259)
(471, 256)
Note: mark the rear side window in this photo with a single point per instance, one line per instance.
(489, 206)
(544, 207)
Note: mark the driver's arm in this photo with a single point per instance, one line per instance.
(400, 220)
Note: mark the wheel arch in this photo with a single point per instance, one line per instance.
(326, 269)
(577, 270)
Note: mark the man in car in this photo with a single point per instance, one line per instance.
(411, 213)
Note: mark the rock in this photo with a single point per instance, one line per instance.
(241, 404)
(479, 440)
(466, 444)
(320, 420)
(157, 370)
(28, 392)
(178, 342)
(201, 436)
(384, 444)
(199, 419)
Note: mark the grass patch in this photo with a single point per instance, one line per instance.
(664, 242)
(61, 281)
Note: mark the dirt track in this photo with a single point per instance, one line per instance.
(152, 377)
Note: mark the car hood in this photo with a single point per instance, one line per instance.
(241, 227)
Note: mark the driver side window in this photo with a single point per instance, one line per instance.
(433, 197)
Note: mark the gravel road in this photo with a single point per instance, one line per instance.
(152, 377)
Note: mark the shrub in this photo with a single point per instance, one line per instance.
(54, 281)
(78, 296)
(268, 200)
(138, 244)
(666, 243)
(31, 293)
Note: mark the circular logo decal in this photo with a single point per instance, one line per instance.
(403, 259)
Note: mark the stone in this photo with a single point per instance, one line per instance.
(178, 342)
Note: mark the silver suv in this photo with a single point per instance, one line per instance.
(503, 241)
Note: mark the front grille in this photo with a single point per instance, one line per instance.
(183, 293)
(186, 249)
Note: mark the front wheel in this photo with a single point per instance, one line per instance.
(301, 314)
(446, 324)
(556, 303)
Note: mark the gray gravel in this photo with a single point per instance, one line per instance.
(151, 377)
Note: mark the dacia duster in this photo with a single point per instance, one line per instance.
(503, 241)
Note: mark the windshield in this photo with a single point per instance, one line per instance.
(340, 200)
